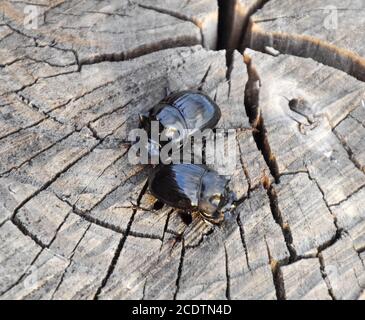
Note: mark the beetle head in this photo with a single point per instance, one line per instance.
(215, 197)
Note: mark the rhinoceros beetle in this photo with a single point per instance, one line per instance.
(192, 187)
(179, 115)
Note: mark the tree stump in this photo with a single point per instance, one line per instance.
(74, 75)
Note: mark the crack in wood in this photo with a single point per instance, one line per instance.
(339, 230)
(262, 143)
(70, 262)
(278, 217)
(7, 172)
(178, 16)
(106, 225)
(50, 181)
(306, 46)
(276, 274)
(233, 22)
(21, 278)
(349, 152)
(120, 245)
(228, 287)
(179, 270)
(243, 240)
(325, 277)
(252, 93)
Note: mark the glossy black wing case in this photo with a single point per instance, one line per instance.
(177, 185)
(197, 109)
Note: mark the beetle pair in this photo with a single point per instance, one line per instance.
(190, 187)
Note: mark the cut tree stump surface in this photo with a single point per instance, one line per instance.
(71, 90)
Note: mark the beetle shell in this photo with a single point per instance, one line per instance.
(181, 111)
(198, 110)
(190, 187)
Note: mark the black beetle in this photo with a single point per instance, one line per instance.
(192, 187)
(179, 115)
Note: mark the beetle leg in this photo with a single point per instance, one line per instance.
(186, 217)
(167, 91)
(177, 238)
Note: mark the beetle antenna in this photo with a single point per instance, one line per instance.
(135, 206)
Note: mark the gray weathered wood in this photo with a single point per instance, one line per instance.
(70, 92)
(328, 31)
(303, 280)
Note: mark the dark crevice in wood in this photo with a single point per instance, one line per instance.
(18, 223)
(202, 238)
(183, 41)
(15, 220)
(49, 182)
(112, 265)
(338, 229)
(139, 52)
(179, 270)
(278, 217)
(278, 281)
(165, 228)
(176, 15)
(93, 131)
(37, 108)
(233, 22)
(84, 95)
(202, 82)
(244, 169)
(105, 195)
(252, 10)
(306, 46)
(361, 250)
(21, 278)
(144, 290)
(325, 277)
(349, 152)
(84, 215)
(348, 197)
(24, 230)
(225, 21)
(228, 279)
(120, 246)
(34, 124)
(277, 275)
(252, 100)
(35, 81)
(336, 237)
(225, 8)
(70, 263)
(243, 240)
(26, 57)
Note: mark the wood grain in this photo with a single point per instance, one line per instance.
(70, 92)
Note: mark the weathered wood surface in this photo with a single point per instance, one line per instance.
(329, 31)
(70, 92)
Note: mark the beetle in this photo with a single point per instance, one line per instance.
(179, 115)
(192, 187)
